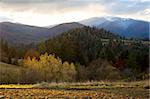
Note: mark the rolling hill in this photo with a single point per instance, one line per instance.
(122, 26)
(20, 33)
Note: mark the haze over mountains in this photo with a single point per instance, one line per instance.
(19, 33)
(123, 26)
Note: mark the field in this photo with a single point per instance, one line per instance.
(107, 90)
(4, 67)
(84, 90)
(9, 73)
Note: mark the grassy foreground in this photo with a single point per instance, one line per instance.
(87, 90)
(107, 90)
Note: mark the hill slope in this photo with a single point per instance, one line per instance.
(19, 33)
(9, 73)
(78, 44)
(122, 26)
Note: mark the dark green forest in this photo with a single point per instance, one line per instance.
(95, 54)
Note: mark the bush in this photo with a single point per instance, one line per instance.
(81, 73)
(101, 70)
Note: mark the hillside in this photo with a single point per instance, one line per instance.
(9, 73)
(95, 48)
(122, 26)
(80, 52)
(78, 44)
(19, 33)
(8, 66)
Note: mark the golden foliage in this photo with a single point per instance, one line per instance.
(51, 68)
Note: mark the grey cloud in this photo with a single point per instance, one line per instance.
(45, 6)
(125, 6)
(29, 1)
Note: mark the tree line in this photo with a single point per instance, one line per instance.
(85, 50)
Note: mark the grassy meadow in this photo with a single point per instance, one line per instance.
(102, 89)
(87, 90)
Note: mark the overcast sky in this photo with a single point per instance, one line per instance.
(48, 12)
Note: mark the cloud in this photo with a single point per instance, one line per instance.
(46, 14)
(29, 1)
(113, 6)
(5, 19)
(42, 6)
(125, 6)
(56, 11)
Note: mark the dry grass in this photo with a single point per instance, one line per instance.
(61, 94)
(102, 89)
(15, 86)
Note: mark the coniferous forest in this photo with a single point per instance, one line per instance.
(80, 54)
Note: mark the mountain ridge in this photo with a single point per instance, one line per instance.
(123, 26)
(20, 33)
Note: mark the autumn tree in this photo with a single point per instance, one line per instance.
(51, 69)
(31, 53)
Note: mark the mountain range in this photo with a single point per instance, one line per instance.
(123, 26)
(20, 33)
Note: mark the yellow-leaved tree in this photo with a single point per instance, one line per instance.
(51, 69)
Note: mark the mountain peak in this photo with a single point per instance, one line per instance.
(69, 25)
(123, 26)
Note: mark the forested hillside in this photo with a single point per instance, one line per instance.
(86, 47)
(85, 53)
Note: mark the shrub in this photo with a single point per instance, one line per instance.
(101, 70)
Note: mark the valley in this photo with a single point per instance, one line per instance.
(75, 60)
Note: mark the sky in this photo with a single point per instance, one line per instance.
(49, 12)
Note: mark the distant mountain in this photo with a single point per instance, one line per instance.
(19, 33)
(59, 29)
(122, 26)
